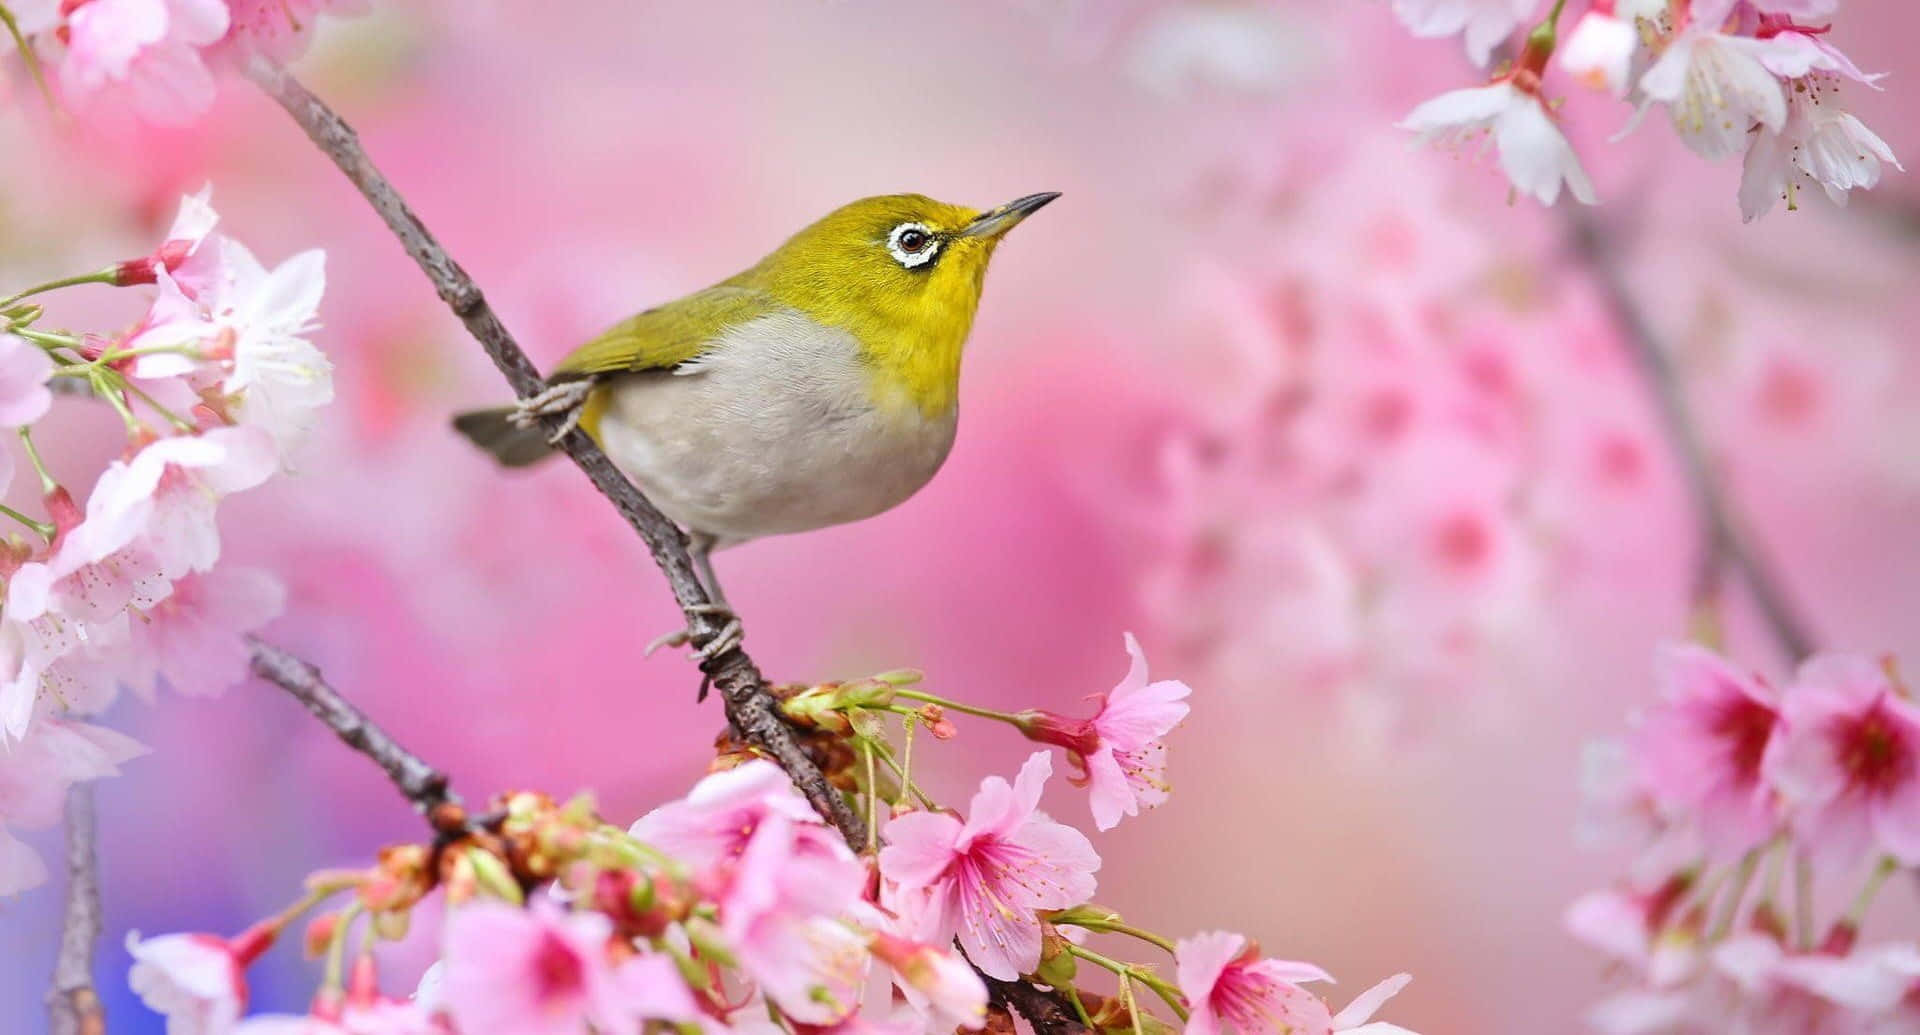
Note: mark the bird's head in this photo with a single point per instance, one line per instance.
(902, 273)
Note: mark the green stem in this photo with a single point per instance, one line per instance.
(1080, 1008)
(962, 707)
(44, 529)
(1133, 1008)
(1864, 900)
(873, 799)
(1803, 900)
(1133, 971)
(47, 339)
(179, 423)
(103, 388)
(27, 55)
(105, 276)
(337, 947)
(905, 781)
(1116, 927)
(1739, 891)
(47, 482)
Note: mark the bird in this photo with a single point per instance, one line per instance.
(818, 387)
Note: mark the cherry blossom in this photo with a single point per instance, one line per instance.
(1849, 760)
(981, 879)
(1821, 144)
(35, 774)
(1702, 749)
(281, 29)
(718, 818)
(1483, 23)
(280, 380)
(780, 914)
(937, 983)
(1119, 750)
(1227, 983)
(149, 47)
(538, 971)
(24, 370)
(1533, 152)
(193, 639)
(197, 980)
(1718, 86)
(1600, 51)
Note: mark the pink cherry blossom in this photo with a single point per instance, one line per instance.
(1119, 749)
(1227, 983)
(24, 370)
(1599, 52)
(147, 47)
(542, 971)
(719, 816)
(165, 497)
(278, 378)
(936, 982)
(982, 879)
(179, 248)
(1534, 154)
(35, 774)
(281, 29)
(1717, 86)
(1483, 23)
(197, 980)
(193, 638)
(1701, 749)
(780, 912)
(1849, 760)
(1821, 145)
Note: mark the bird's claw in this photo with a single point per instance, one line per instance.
(565, 400)
(729, 637)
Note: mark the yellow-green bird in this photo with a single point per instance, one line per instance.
(820, 386)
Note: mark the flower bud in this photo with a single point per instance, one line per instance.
(319, 934)
(493, 877)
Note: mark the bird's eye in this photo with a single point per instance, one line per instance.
(912, 244)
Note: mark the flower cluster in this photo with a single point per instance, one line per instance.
(213, 386)
(158, 57)
(1752, 76)
(1734, 783)
(736, 909)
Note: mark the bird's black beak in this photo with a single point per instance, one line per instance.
(994, 222)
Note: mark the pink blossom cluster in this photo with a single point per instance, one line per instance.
(1750, 799)
(158, 57)
(1734, 76)
(737, 909)
(213, 386)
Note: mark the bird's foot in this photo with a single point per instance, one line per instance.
(730, 635)
(566, 399)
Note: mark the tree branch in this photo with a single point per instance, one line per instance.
(750, 708)
(423, 785)
(1723, 545)
(1044, 1010)
(73, 1007)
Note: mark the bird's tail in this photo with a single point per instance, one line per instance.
(494, 431)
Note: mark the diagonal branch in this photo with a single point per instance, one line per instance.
(73, 1007)
(1724, 543)
(750, 708)
(422, 784)
(1045, 1010)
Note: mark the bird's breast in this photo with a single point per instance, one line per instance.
(775, 428)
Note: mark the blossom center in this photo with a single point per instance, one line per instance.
(557, 970)
(1875, 756)
(1744, 725)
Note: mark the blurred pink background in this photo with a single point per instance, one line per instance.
(1341, 435)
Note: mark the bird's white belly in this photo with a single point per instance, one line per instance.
(773, 430)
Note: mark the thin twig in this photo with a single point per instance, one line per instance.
(1722, 540)
(422, 784)
(73, 1007)
(750, 708)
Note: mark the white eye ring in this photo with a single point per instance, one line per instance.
(911, 259)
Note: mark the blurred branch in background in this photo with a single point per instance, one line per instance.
(73, 1007)
(750, 708)
(422, 784)
(1724, 544)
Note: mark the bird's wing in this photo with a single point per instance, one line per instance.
(667, 336)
